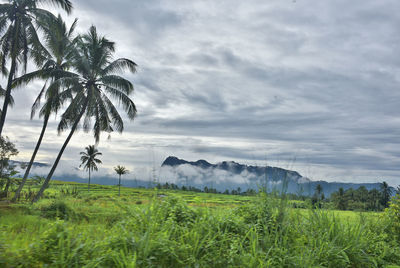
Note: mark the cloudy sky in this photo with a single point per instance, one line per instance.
(302, 84)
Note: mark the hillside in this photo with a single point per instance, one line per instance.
(230, 175)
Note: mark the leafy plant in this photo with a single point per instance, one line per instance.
(7, 170)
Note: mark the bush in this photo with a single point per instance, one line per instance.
(177, 210)
(57, 209)
(60, 247)
(392, 216)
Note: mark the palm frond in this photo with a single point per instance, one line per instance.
(118, 82)
(120, 65)
(115, 116)
(36, 104)
(124, 100)
(66, 5)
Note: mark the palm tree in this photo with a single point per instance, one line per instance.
(341, 199)
(318, 195)
(89, 160)
(60, 48)
(18, 24)
(318, 189)
(93, 83)
(386, 194)
(121, 170)
(3, 94)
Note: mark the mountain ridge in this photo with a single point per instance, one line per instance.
(275, 176)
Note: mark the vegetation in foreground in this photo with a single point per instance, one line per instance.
(71, 227)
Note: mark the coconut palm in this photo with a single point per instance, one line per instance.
(89, 160)
(3, 94)
(18, 24)
(318, 189)
(121, 170)
(60, 47)
(318, 196)
(94, 85)
(386, 193)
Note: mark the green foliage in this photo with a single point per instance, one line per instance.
(392, 217)
(57, 209)
(361, 199)
(172, 228)
(7, 150)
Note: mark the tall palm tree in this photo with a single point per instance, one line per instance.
(94, 85)
(18, 24)
(341, 202)
(89, 160)
(318, 189)
(60, 47)
(386, 192)
(121, 170)
(3, 94)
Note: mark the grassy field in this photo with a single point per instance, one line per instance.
(72, 227)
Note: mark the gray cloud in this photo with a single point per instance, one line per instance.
(231, 80)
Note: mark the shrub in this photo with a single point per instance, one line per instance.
(60, 247)
(392, 215)
(178, 211)
(57, 209)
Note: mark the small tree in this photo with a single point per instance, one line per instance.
(121, 170)
(7, 150)
(89, 160)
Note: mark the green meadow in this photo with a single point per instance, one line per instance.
(71, 227)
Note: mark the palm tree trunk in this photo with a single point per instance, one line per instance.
(46, 182)
(119, 185)
(7, 186)
(88, 189)
(28, 169)
(7, 97)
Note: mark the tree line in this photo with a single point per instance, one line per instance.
(363, 199)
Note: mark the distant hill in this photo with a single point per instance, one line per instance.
(23, 164)
(202, 173)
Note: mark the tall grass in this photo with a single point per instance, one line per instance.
(167, 232)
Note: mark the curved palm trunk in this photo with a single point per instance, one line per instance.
(8, 184)
(28, 169)
(119, 185)
(53, 168)
(7, 97)
(89, 182)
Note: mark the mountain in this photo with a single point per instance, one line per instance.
(230, 175)
(272, 173)
(24, 164)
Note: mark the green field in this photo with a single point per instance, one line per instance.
(71, 227)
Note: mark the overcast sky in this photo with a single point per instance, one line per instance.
(308, 85)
